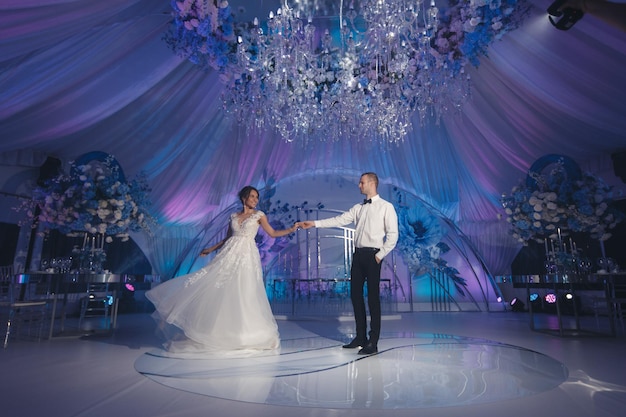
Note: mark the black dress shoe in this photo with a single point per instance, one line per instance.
(369, 349)
(355, 344)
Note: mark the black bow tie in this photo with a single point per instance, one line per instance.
(367, 201)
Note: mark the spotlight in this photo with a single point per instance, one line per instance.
(517, 305)
(570, 303)
(551, 303)
(535, 302)
(567, 17)
(550, 298)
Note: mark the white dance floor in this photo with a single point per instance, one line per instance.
(429, 364)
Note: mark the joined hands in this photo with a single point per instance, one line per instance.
(304, 225)
(308, 224)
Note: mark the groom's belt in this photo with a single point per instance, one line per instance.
(367, 250)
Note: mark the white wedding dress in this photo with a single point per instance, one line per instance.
(222, 309)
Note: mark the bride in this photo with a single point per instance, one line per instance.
(223, 307)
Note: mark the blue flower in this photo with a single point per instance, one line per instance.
(420, 243)
(420, 232)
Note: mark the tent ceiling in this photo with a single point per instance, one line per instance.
(91, 75)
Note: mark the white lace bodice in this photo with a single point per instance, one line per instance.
(248, 228)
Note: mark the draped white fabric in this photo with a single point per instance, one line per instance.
(84, 75)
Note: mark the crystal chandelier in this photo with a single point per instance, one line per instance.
(322, 70)
(362, 77)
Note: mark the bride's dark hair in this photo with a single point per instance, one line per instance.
(245, 192)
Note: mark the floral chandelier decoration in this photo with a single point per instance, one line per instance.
(552, 203)
(334, 70)
(94, 198)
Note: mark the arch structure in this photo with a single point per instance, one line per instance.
(313, 265)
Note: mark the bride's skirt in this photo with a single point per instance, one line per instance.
(221, 309)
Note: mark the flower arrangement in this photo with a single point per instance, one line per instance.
(202, 31)
(466, 32)
(93, 198)
(553, 204)
(420, 243)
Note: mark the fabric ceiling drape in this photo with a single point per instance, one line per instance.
(78, 76)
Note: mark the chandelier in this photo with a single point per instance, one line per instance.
(323, 70)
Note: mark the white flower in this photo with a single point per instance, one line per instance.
(434, 251)
(496, 25)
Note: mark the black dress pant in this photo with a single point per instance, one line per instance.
(366, 269)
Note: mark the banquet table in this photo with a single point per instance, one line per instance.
(62, 284)
(575, 284)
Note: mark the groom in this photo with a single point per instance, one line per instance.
(375, 237)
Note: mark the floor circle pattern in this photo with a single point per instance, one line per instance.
(410, 371)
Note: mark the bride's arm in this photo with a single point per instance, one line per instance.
(265, 224)
(218, 245)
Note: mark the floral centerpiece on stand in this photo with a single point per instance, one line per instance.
(94, 201)
(421, 246)
(559, 201)
(556, 200)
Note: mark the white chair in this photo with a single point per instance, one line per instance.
(23, 304)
